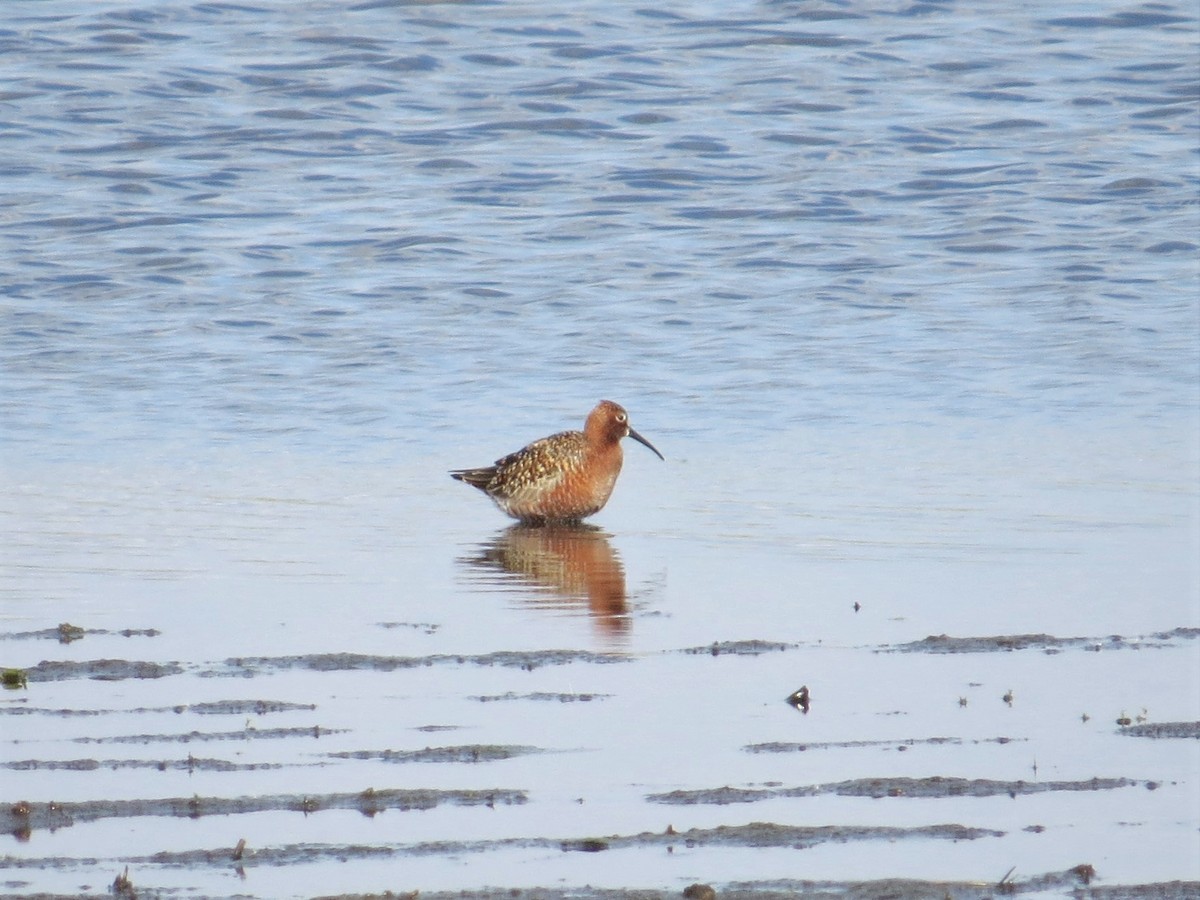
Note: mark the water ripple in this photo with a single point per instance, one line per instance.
(487, 194)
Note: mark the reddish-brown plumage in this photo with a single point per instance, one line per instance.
(562, 478)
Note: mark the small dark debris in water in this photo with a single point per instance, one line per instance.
(427, 627)
(800, 699)
(1034, 829)
(699, 892)
(857, 606)
(962, 701)
(587, 845)
(1084, 718)
(1085, 872)
(1124, 720)
(67, 633)
(1159, 729)
(367, 805)
(122, 886)
(1008, 697)
(14, 679)
(19, 823)
(1004, 886)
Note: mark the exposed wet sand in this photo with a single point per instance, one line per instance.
(1075, 882)
(24, 819)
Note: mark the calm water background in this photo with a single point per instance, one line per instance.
(906, 294)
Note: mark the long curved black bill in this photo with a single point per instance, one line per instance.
(641, 440)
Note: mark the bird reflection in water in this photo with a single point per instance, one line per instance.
(572, 566)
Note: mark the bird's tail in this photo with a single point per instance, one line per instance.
(479, 478)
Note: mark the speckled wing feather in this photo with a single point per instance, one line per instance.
(536, 470)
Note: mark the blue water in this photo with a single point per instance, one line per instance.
(908, 296)
(336, 227)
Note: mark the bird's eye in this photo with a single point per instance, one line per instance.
(621, 417)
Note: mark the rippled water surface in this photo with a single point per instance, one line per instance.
(906, 295)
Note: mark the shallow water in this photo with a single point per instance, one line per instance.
(905, 296)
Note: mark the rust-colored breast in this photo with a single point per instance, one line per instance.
(561, 477)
